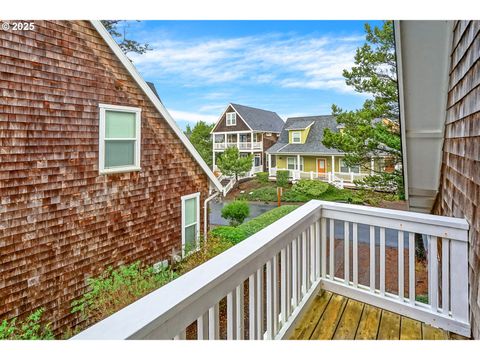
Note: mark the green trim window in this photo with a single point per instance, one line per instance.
(190, 223)
(119, 139)
(296, 137)
(231, 118)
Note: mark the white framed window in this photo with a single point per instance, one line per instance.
(345, 169)
(190, 223)
(291, 163)
(296, 137)
(231, 119)
(119, 139)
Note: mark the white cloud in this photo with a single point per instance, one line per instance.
(192, 117)
(295, 61)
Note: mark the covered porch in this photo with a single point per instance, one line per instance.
(330, 168)
(266, 286)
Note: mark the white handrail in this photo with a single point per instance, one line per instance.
(288, 262)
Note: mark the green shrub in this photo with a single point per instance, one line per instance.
(114, 289)
(260, 222)
(282, 178)
(263, 194)
(311, 188)
(29, 329)
(236, 212)
(262, 177)
(230, 234)
(294, 196)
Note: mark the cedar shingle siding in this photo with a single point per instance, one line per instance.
(60, 221)
(460, 182)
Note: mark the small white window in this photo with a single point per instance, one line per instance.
(190, 223)
(231, 119)
(119, 139)
(296, 137)
(292, 163)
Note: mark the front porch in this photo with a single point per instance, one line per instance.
(328, 168)
(264, 286)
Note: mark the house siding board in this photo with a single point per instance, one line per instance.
(60, 221)
(222, 124)
(459, 192)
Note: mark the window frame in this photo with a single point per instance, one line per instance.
(103, 108)
(197, 233)
(299, 136)
(231, 121)
(342, 164)
(294, 162)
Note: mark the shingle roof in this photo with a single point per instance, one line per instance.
(260, 120)
(299, 124)
(313, 144)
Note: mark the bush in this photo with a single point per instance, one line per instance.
(236, 212)
(262, 177)
(263, 194)
(282, 178)
(233, 235)
(311, 188)
(30, 329)
(260, 222)
(115, 289)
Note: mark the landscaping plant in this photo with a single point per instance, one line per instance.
(236, 212)
(282, 178)
(262, 177)
(29, 329)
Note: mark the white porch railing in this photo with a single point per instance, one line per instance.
(228, 187)
(256, 145)
(242, 145)
(286, 263)
(219, 146)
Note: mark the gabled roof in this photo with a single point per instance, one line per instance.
(154, 99)
(313, 143)
(258, 119)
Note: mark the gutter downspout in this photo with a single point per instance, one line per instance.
(205, 214)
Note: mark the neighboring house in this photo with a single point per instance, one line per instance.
(301, 276)
(300, 151)
(94, 171)
(251, 130)
(440, 108)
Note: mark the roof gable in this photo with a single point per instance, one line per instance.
(154, 99)
(258, 119)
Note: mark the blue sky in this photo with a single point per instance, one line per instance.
(291, 67)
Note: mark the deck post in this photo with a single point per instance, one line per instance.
(269, 163)
(333, 166)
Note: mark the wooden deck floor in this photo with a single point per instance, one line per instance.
(335, 317)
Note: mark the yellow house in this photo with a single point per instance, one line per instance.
(300, 150)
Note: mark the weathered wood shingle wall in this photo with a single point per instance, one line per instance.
(460, 183)
(60, 221)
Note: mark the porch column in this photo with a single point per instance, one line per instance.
(238, 141)
(269, 162)
(298, 166)
(333, 165)
(225, 139)
(372, 166)
(251, 141)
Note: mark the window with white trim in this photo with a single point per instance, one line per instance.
(291, 163)
(345, 169)
(296, 137)
(231, 119)
(190, 223)
(119, 139)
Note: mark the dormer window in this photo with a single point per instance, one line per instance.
(231, 119)
(296, 137)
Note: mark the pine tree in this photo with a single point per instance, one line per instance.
(372, 131)
(201, 139)
(231, 163)
(127, 45)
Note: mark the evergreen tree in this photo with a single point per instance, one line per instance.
(127, 45)
(201, 139)
(231, 163)
(373, 130)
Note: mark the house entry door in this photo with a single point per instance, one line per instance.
(321, 166)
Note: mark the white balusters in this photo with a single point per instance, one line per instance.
(318, 256)
(411, 268)
(445, 276)
(284, 300)
(355, 254)
(303, 263)
(432, 273)
(346, 252)
(323, 227)
(459, 280)
(332, 250)
(259, 292)
(270, 311)
(382, 261)
(401, 265)
(252, 316)
(372, 258)
(202, 327)
(294, 273)
(213, 324)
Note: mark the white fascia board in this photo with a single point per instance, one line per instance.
(154, 99)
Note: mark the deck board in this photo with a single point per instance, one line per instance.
(332, 316)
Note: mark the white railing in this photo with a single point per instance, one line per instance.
(256, 145)
(283, 265)
(350, 177)
(219, 146)
(244, 145)
(257, 169)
